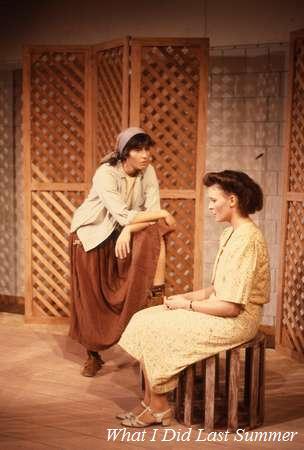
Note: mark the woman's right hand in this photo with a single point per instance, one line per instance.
(122, 247)
(169, 219)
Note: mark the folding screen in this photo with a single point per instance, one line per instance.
(290, 313)
(76, 99)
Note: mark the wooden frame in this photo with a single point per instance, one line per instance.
(288, 197)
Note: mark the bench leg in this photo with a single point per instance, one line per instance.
(254, 387)
(210, 393)
(248, 359)
(189, 394)
(261, 403)
(233, 382)
(180, 391)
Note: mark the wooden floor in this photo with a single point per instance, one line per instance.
(46, 404)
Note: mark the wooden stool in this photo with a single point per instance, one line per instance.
(253, 387)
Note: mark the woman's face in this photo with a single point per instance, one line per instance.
(138, 158)
(220, 203)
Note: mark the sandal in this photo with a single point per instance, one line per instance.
(164, 418)
(127, 415)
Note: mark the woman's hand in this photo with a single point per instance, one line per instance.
(122, 247)
(169, 219)
(177, 302)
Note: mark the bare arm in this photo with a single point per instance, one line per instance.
(148, 216)
(214, 307)
(122, 246)
(217, 308)
(201, 294)
(135, 227)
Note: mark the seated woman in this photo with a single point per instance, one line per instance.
(117, 247)
(188, 328)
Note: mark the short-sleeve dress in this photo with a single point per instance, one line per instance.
(166, 341)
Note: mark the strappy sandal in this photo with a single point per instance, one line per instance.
(163, 418)
(128, 414)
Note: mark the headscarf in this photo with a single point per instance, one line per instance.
(121, 141)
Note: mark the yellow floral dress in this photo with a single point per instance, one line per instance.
(167, 341)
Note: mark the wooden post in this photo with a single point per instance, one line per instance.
(254, 387)
(189, 393)
(261, 402)
(248, 360)
(233, 390)
(210, 393)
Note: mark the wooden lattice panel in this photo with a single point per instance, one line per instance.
(7, 214)
(296, 164)
(180, 249)
(169, 111)
(51, 218)
(290, 312)
(293, 306)
(19, 221)
(110, 98)
(58, 115)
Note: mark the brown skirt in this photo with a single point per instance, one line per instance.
(107, 291)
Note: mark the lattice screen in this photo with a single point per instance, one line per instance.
(111, 67)
(7, 222)
(76, 101)
(51, 219)
(168, 100)
(290, 330)
(58, 161)
(180, 257)
(57, 117)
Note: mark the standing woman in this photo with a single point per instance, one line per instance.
(194, 326)
(116, 246)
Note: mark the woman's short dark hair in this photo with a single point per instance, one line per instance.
(138, 141)
(248, 192)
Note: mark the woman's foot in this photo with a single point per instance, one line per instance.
(134, 413)
(148, 417)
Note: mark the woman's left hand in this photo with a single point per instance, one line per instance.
(177, 302)
(122, 247)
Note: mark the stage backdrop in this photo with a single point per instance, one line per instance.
(76, 99)
(290, 313)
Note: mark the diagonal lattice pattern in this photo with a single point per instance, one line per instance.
(7, 205)
(169, 111)
(293, 306)
(51, 217)
(109, 99)
(179, 270)
(296, 164)
(58, 115)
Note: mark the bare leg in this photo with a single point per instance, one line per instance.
(157, 402)
(147, 396)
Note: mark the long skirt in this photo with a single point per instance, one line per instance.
(107, 291)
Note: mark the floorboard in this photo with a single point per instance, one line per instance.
(46, 404)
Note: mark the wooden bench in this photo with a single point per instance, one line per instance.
(213, 399)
